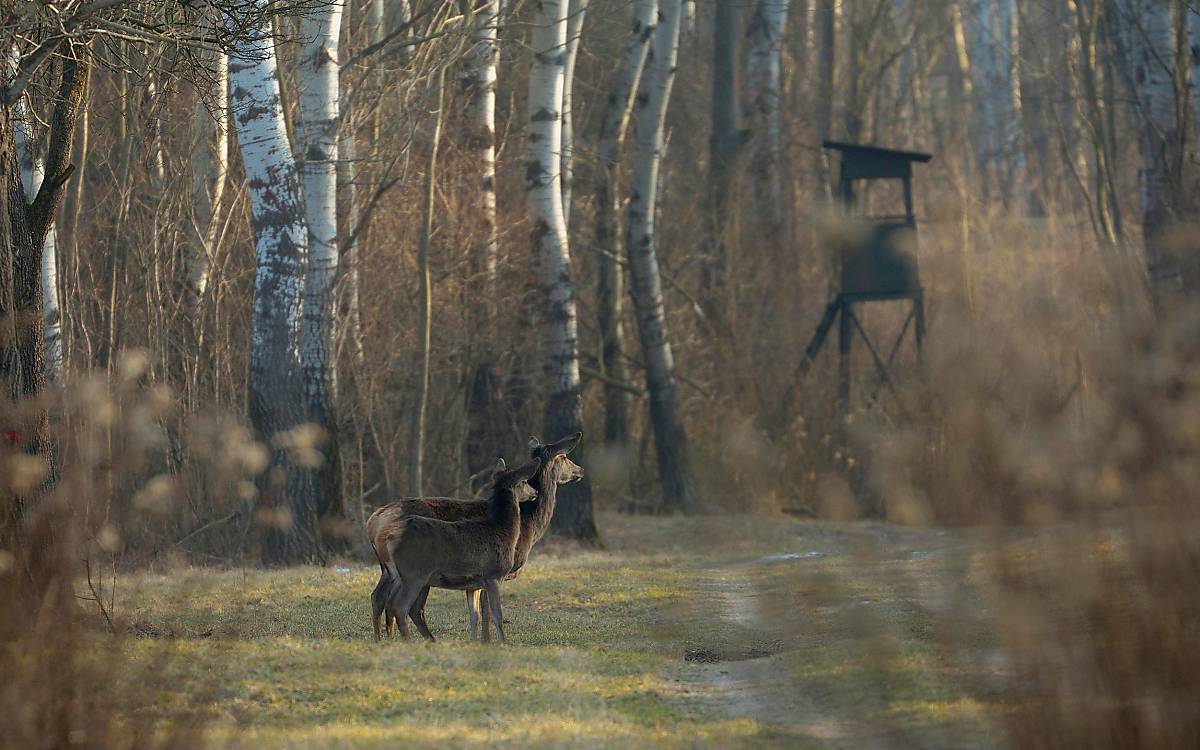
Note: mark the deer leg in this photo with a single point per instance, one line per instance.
(493, 595)
(417, 614)
(389, 613)
(485, 614)
(379, 602)
(473, 612)
(403, 597)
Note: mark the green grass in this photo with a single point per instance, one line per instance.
(596, 651)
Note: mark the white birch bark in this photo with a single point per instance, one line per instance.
(32, 175)
(275, 386)
(1148, 37)
(576, 12)
(210, 167)
(317, 137)
(478, 87)
(645, 279)
(765, 81)
(613, 126)
(543, 197)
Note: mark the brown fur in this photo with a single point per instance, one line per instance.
(387, 521)
(535, 519)
(475, 552)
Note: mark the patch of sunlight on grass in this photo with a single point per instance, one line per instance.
(943, 711)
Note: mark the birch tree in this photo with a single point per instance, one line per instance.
(613, 126)
(576, 11)
(764, 79)
(32, 176)
(317, 137)
(210, 168)
(645, 278)
(478, 86)
(281, 253)
(543, 198)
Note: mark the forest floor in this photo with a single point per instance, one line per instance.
(729, 631)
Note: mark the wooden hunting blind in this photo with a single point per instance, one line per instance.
(876, 258)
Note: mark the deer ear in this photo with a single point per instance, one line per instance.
(534, 443)
(567, 444)
(499, 467)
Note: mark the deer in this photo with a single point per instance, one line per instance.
(474, 553)
(535, 519)
(383, 520)
(556, 470)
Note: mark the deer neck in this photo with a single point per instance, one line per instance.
(543, 509)
(503, 509)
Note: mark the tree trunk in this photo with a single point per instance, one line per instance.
(724, 145)
(765, 37)
(485, 435)
(22, 235)
(609, 290)
(317, 138)
(993, 40)
(552, 258)
(31, 178)
(210, 168)
(654, 94)
(348, 320)
(416, 445)
(825, 18)
(276, 387)
(1149, 46)
(1193, 30)
(575, 15)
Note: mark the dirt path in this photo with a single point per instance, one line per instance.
(761, 638)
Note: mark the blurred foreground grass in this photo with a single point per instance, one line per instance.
(724, 631)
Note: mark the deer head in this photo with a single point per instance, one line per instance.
(522, 490)
(562, 469)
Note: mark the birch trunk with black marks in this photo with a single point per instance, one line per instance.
(1148, 39)
(276, 386)
(765, 81)
(485, 435)
(576, 11)
(609, 291)
(32, 176)
(654, 93)
(317, 137)
(552, 259)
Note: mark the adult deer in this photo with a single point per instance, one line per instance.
(475, 553)
(535, 519)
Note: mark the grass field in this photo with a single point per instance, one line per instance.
(731, 631)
